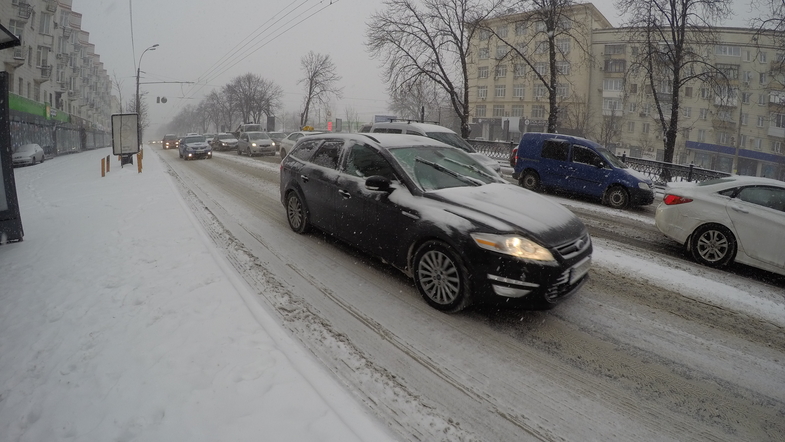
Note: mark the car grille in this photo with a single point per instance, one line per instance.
(574, 247)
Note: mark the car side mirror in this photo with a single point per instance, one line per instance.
(377, 183)
(600, 164)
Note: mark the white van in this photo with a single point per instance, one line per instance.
(439, 133)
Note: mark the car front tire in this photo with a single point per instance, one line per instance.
(617, 197)
(713, 245)
(441, 277)
(530, 180)
(296, 213)
(283, 152)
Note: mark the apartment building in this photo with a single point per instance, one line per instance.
(601, 96)
(56, 67)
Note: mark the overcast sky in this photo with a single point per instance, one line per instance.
(209, 43)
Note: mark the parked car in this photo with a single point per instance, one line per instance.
(28, 154)
(436, 132)
(194, 147)
(277, 137)
(288, 143)
(224, 142)
(433, 211)
(253, 143)
(737, 218)
(170, 141)
(579, 166)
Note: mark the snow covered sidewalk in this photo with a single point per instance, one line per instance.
(119, 321)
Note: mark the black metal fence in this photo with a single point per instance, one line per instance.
(661, 172)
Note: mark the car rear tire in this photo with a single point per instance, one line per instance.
(441, 277)
(530, 180)
(713, 245)
(296, 213)
(617, 197)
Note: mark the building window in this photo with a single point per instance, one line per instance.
(520, 69)
(745, 119)
(540, 90)
(615, 65)
(518, 90)
(484, 34)
(541, 47)
(612, 84)
(16, 27)
(498, 110)
(762, 99)
(728, 51)
(646, 127)
(687, 112)
(646, 109)
(762, 78)
(613, 49)
(517, 110)
(704, 113)
(482, 91)
(778, 120)
(742, 140)
(776, 146)
(722, 138)
(612, 105)
(745, 97)
(44, 23)
(631, 126)
(563, 90)
(501, 31)
(541, 68)
(563, 45)
(763, 57)
(501, 51)
(563, 67)
(761, 121)
(541, 26)
(701, 135)
(482, 72)
(501, 90)
(758, 143)
(501, 71)
(483, 54)
(538, 111)
(479, 111)
(688, 91)
(520, 28)
(632, 107)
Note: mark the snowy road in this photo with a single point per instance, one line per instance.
(654, 347)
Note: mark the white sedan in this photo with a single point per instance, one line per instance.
(738, 218)
(28, 154)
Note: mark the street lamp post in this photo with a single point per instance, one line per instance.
(138, 105)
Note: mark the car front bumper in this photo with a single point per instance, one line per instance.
(23, 161)
(198, 154)
(641, 197)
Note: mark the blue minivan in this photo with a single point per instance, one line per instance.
(579, 166)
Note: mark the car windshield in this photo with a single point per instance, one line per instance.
(611, 158)
(27, 148)
(452, 139)
(194, 139)
(436, 167)
(225, 137)
(258, 136)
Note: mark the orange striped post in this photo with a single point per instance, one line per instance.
(139, 162)
(103, 167)
(108, 163)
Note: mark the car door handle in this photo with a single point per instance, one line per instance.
(345, 194)
(304, 178)
(740, 209)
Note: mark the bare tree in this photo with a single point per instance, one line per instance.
(144, 116)
(420, 100)
(559, 29)
(319, 83)
(673, 37)
(352, 117)
(119, 86)
(252, 97)
(429, 41)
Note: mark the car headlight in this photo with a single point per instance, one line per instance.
(253, 144)
(513, 245)
(644, 186)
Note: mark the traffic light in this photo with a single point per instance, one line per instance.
(329, 126)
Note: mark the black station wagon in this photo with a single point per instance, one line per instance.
(432, 211)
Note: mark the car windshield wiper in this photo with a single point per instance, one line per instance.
(440, 168)
(471, 167)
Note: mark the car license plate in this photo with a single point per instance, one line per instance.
(578, 270)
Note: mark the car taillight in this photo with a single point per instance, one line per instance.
(671, 200)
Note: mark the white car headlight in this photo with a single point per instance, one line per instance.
(644, 186)
(513, 245)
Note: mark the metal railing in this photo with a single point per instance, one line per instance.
(661, 172)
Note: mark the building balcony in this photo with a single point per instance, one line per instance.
(24, 11)
(717, 123)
